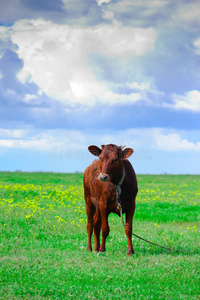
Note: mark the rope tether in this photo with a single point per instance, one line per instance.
(139, 237)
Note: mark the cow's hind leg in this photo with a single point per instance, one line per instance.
(97, 229)
(128, 229)
(90, 210)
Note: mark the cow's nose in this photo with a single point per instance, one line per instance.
(103, 177)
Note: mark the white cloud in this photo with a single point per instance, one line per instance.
(108, 15)
(189, 12)
(62, 140)
(55, 57)
(189, 101)
(149, 7)
(24, 139)
(139, 86)
(43, 141)
(5, 42)
(99, 2)
(30, 97)
(197, 46)
(145, 3)
(156, 150)
(126, 6)
(174, 142)
(118, 40)
(25, 144)
(14, 133)
(4, 33)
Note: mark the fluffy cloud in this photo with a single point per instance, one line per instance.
(125, 4)
(99, 2)
(197, 46)
(43, 141)
(108, 15)
(56, 57)
(146, 8)
(13, 133)
(189, 101)
(189, 12)
(174, 142)
(25, 144)
(60, 141)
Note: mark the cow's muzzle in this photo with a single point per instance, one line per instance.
(104, 177)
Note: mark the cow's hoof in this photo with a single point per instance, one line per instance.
(102, 249)
(130, 252)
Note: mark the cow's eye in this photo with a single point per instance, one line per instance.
(116, 159)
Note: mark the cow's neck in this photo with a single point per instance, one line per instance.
(118, 188)
(120, 179)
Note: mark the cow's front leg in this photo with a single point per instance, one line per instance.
(128, 230)
(97, 229)
(89, 232)
(90, 225)
(105, 229)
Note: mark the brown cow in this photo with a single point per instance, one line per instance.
(108, 180)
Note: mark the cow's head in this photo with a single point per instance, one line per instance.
(111, 157)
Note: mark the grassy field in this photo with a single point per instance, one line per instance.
(43, 241)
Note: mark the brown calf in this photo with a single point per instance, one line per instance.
(110, 173)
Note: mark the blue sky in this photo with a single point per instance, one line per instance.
(75, 73)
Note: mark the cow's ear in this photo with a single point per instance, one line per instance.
(126, 153)
(94, 150)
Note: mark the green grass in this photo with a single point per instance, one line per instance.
(43, 241)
